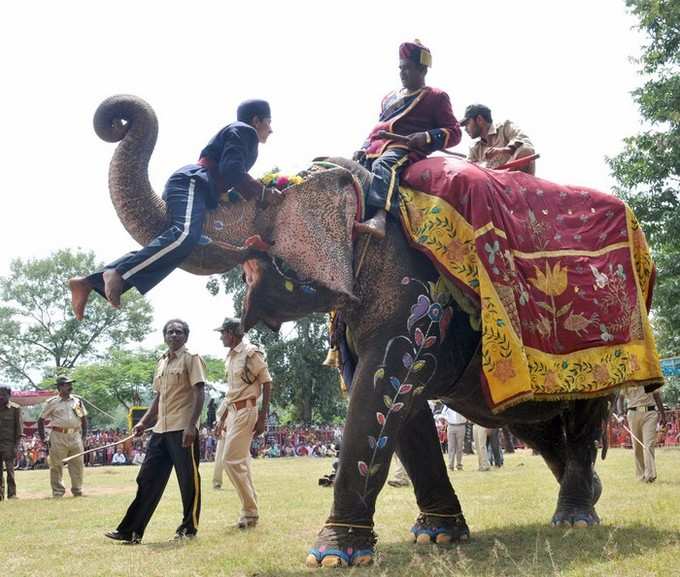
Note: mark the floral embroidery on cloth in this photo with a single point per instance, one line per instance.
(563, 276)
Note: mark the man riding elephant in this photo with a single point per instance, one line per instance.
(414, 121)
(498, 143)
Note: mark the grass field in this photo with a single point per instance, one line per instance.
(507, 510)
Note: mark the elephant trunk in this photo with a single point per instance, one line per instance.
(130, 121)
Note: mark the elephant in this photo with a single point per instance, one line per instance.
(377, 286)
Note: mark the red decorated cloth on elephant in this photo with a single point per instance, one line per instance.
(563, 275)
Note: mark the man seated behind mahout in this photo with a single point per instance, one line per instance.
(189, 193)
(498, 143)
(422, 116)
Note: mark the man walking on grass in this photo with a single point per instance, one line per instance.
(179, 383)
(248, 377)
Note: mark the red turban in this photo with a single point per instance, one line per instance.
(415, 52)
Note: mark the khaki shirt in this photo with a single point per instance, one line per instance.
(65, 414)
(500, 135)
(245, 372)
(176, 376)
(11, 426)
(637, 397)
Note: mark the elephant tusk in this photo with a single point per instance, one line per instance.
(238, 253)
(257, 243)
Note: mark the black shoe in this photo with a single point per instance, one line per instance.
(130, 538)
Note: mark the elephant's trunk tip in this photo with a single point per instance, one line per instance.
(114, 116)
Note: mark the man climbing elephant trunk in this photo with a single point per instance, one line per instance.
(191, 191)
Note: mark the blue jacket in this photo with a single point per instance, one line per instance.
(229, 155)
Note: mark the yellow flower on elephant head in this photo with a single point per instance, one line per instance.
(553, 282)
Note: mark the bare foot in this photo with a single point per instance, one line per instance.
(374, 226)
(80, 291)
(113, 286)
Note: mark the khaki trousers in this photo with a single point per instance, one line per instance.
(64, 445)
(455, 437)
(219, 462)
(643, 426)
(399, 473)
(480, 434)
(237, 438)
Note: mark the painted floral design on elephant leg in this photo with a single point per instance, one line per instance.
(408, 364)
(426, 326)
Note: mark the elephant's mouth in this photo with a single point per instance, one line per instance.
(276, 295)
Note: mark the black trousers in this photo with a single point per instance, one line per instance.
(164, 452)
(7, 457)
(384, 190)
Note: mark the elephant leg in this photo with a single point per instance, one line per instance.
(548, 439)
(441, 518)
(369, 439)
(580, 486)
(567, 444)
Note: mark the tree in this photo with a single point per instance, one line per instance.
(647, 171)
(38, 332)
(303, 388)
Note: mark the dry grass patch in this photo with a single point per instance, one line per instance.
(508, 512)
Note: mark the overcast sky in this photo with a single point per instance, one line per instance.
(559, 69)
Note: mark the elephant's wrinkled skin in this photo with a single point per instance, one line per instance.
(411, 344)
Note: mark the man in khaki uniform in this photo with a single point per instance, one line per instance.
(642, 418)
(11, 431)
(68, 424)
(399, 475)
(179, 384)
(498, 143)
(218, 471)
(248, 378)
(481, 434)
(455, 436)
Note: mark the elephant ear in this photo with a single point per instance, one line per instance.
(312, 230)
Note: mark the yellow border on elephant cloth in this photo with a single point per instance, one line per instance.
(506, 361)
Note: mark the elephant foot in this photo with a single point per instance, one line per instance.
(440, 530)
(575, 519)
(339, 546)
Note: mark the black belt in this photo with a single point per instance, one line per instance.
(647, 408)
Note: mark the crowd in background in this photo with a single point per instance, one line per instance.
(31, 453)
(289, 441)
(284, 441)
(670, 437)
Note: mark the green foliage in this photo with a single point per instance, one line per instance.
(214, 368)
(647, 170)
(303, 390)
(38, 332)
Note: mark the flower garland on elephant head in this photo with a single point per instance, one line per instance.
(277, 179)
